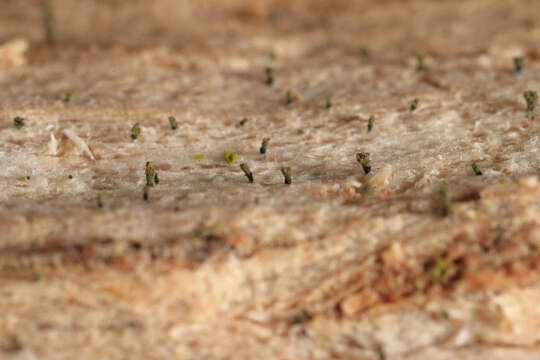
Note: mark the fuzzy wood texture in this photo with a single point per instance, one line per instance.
(337, 265)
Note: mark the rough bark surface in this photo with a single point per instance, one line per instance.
(339, 264)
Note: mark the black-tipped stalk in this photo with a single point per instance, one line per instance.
(287, 175)
(264, 145)
(247, 171)
(151, 174)
(243, 122)
(172, 121)
(328, 102)
(476, 169)
(99, 201)
(414, 104)
(370, 123)
(135, 131)
(518, 63)
(364, 160)
(269, 75)
(531, 98)
(289, 97)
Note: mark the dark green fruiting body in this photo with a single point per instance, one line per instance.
(231, 157)
(247, 171)
(302, 317)
(476, 169)
(18, 122)
(151, 174)
(370, 123)
(414, 104)
(269, 75)
(172, 121)
(243, 122)
(264, 145)
(287, 174)
(531, 98)
(518, 63)
(364, 159)
(328, 103)
(135, 131)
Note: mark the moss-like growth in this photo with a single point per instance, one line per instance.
(370, 123)
(269, 75)
(245, 168)
(531, 98)
(364, 159)
(302, 317)
(519, 62)
(414, 104)
(230, 157)
(135, 131)
(151, 174)
(287, 174)
(264, 145)
(173, 123)
(18, 122)
(476, 169)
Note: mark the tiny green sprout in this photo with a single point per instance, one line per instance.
(269, 75)
(247, 171)
(439, 270)
(243, 122)
(99, 201)
(414, 104)
(25, 178)
(303, 317)
(367, 191)
(300, 131)
(146, 192)
(287, 174)
(135, 131)
(264, 145)
(380, 352)
(199, 157)
(151, 174)
(289, 97)
(419, 63)
(172, 121)
(230, 157)
(328, 102)
(476, 169)
(518, 63)
(18, 122)
(531, 98)
(447, 204)
(370, 123)
(364, 160)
